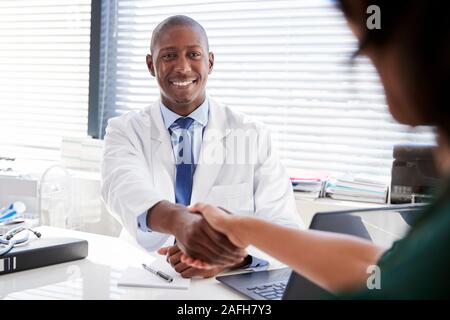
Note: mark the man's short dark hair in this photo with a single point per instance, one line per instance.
(178, 20)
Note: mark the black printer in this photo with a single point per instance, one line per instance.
(414, 174)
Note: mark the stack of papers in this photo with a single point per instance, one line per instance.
(308, 187)
(356, 189)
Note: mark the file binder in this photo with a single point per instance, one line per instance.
(43, 252)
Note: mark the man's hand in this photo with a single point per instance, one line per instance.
(173, 255)
(196, 238)
(194, 235)
(222, 221)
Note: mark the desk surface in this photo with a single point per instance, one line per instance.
(96, 277)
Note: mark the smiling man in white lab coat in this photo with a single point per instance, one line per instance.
(187, 148)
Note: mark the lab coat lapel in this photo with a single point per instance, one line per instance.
(163, 161)
(212, 153)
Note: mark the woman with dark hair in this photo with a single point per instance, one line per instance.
(411, 53)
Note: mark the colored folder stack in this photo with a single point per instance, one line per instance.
(357, 189)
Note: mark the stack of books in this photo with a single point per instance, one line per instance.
(308, 187)
(356, 189)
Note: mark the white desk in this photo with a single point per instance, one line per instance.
(96, 276)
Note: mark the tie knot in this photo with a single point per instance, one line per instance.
(183, 123)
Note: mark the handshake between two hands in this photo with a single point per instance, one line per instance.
(207, 242)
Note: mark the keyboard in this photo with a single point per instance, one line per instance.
(270, 291)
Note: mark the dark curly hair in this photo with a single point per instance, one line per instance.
(421, 30)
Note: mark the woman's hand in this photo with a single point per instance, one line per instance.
(221, 221)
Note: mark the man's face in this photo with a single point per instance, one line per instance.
(181, 64)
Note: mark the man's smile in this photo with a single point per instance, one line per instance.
(182, 83)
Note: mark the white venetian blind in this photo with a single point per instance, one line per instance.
(286, 63)
(44, 75)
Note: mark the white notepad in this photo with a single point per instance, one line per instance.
(139, 277)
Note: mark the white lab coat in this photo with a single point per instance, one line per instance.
(138, 170)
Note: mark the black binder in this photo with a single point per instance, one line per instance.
(43, 252)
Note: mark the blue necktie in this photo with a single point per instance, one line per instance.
(185, 166)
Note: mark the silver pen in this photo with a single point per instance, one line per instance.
(160, 274)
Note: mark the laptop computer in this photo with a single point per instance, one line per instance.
(382, 226)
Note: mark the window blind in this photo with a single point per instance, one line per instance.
(44, 75)
(286, 63)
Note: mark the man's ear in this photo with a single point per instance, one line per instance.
(150, 65)
(210, 62)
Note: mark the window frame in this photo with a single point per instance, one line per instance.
(94, 69)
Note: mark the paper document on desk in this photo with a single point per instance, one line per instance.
(139, 277)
